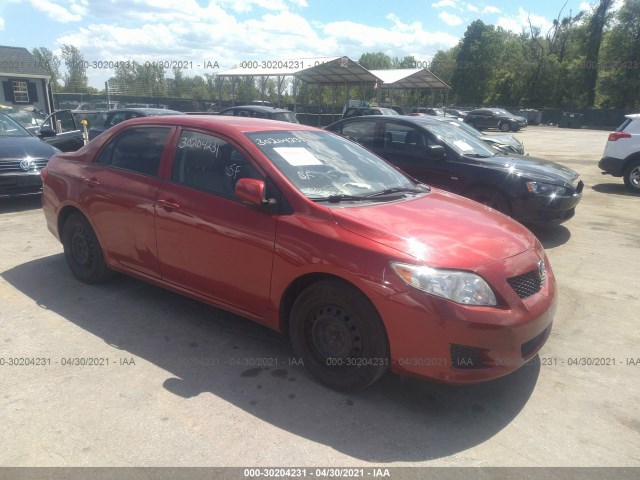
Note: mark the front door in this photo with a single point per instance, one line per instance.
(210, 242)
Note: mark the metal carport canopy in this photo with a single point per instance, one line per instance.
(318, 70)
(409, 78)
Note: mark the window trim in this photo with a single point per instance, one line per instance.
(20, 92)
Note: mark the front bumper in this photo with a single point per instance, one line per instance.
(441, 340)
(612, 166)
(14, 184)
(541, 210)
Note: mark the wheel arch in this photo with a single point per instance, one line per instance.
(629, 160)
(301, 283)
(64, 214)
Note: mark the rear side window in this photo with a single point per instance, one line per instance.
(136, 149)
(624, 125)
(210, 163)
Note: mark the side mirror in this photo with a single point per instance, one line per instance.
(251, 190)
(46, 131)
(436, 151)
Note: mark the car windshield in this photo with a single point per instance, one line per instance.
(461, 141)
(11, 128)
(325, 166)
(25, 118)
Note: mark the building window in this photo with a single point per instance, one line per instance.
(20, 92)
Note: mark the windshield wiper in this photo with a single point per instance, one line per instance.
(390, 191)
(340, 198)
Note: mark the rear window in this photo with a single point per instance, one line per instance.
(624, 125)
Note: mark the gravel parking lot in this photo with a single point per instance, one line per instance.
(127, 374)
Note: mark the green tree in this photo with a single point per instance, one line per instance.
(596, 27)
(376, 61)
(75, 80)
(619, 80)
(50, 62)
(475, 62)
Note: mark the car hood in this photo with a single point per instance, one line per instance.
(20, 147)
(533, 168)
(503, 139)
(440, 229)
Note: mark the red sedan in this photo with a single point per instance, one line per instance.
(312, 235)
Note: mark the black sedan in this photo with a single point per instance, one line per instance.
(499, 118)
(261, 111)
(533, 191)
(110, 118)
(22, 156)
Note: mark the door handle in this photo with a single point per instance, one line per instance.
(91, 182)
(168, 205)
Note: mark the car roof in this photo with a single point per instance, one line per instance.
(633, 115)
(222, 123)
(258, 108)
(144, 110)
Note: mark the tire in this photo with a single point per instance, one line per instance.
(83, 252)
(632, 176)
(492, 198)
(504, 127)
(339, 336)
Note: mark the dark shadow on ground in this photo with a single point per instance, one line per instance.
(208, 350)
(551, 237)
(20, 204)
(614, 189)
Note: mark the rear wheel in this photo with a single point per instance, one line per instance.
(632, 176)
(82, 251)
(492, 198)
(339, 335)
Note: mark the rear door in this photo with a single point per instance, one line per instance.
(210, 242)
(119, 190)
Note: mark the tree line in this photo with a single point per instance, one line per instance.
(591, 59)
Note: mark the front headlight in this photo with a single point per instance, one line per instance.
(461, 287)
(547, 190)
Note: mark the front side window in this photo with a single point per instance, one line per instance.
(20, 92)
(116, 118)
(363, 132)
(404, 138)
(210, 163)
(136, 149)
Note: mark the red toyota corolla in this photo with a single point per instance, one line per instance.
(311, 235)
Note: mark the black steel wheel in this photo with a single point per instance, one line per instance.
(82, 250)
(339, 335)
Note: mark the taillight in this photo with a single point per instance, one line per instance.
(43, 174)
(613, 136)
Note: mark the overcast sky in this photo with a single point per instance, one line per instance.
(232, 31)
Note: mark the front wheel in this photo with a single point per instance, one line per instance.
(504, 127)
(82, 250)
(632, 176)
(339, 336)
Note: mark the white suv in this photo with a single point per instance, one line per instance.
(621, 157)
